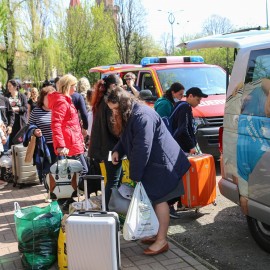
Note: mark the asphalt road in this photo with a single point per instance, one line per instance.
(219, 234)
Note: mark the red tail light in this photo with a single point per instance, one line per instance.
(220, 136)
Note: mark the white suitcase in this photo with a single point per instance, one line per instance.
(93, 238)
(24, 173)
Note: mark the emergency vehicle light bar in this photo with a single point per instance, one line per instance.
(171, 60)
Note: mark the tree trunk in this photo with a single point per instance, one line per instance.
(10, 69)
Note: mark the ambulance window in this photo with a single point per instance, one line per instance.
(258, 65)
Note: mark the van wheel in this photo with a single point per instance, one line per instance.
(260, 232)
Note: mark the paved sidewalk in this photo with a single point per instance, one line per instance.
(131, 252)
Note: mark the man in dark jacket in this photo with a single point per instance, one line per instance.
(183, 121)
(184, 130)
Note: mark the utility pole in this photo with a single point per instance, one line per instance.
(266, 7)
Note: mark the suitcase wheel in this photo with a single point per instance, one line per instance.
(214, 203)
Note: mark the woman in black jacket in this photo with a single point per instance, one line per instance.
(103, 137)
(18, 103)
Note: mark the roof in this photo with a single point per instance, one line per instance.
(74, 3)
(233, 40)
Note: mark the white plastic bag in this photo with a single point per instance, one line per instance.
(141, 220)
(5, 161)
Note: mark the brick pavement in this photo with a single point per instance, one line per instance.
(131, 252)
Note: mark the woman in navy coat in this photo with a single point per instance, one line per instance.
(155, 158)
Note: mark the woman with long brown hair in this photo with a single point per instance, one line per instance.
(156, 160)
(103, 136)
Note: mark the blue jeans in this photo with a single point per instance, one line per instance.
(113, 178)
(6, 145)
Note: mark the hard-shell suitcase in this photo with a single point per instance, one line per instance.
(200, 182)
(93, 238)
(24, 173)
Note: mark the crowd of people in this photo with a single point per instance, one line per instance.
(71, 118)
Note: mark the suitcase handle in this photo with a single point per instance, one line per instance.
(95, 177)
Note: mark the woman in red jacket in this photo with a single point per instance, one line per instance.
(66, 129)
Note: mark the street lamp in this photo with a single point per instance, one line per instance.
(171, 19)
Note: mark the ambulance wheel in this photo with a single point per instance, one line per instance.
(260, 232)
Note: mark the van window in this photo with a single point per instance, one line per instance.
(147, 83)
(254, 96)
(211, 80)
(258, 65)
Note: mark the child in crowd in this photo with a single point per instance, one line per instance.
(3, 140)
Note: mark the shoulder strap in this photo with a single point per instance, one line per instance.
(177, 108)
(171, 116)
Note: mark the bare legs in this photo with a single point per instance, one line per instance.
(163, 215)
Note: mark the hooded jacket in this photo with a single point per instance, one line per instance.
(183, 124)
(65, 124)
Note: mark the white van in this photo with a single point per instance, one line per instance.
(245, 136)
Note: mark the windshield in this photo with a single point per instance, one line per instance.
(211, 80)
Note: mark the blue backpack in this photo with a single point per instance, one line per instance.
(168, 120)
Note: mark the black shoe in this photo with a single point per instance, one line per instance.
(65, 205)
(173, 213)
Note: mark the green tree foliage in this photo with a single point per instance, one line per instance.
(143, 46)
(8, 33)
(43, 51)
(88, 37)
(223, 57)
(38, 37)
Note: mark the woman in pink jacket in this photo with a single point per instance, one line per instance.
(66, 129)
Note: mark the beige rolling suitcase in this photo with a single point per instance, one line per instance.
(24, 173)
